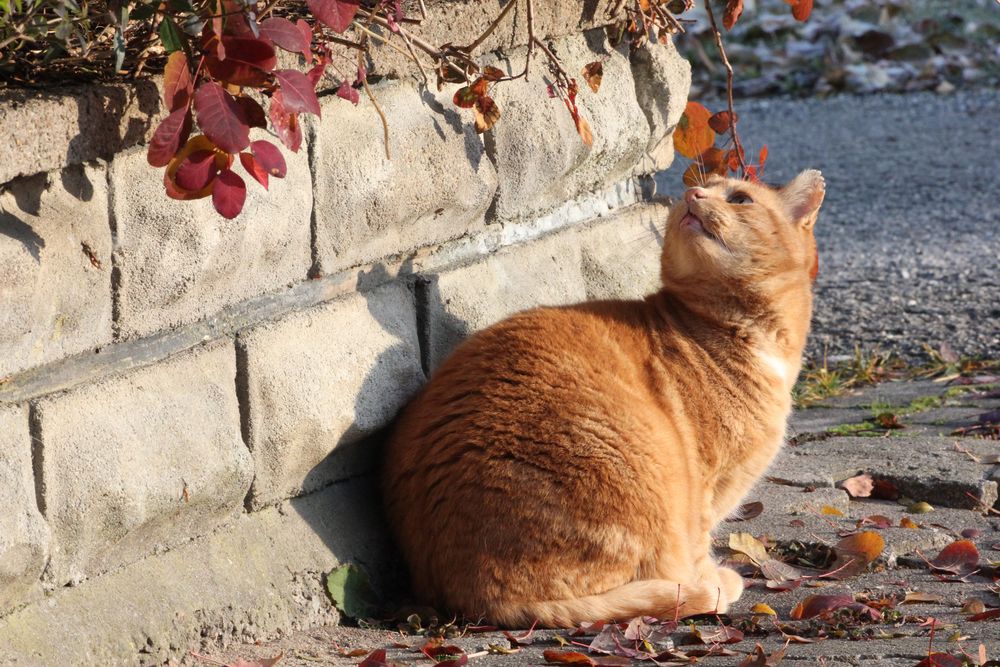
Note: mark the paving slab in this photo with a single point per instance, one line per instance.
(921, 467)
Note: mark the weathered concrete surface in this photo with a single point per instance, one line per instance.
(322, 379)
(267, 565)
(179, 261)
(540, 159)
(437, 185)
(621, 256)
(142, 462)
(922, 467)
(56, 299)
(46, 130)
(662, 82)
(465, 299)
(24, 535)
(794, 517)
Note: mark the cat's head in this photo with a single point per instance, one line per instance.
(741, 233)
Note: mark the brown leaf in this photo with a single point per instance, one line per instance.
(486, 113)
(830, 511)
(907, 522)
(973, 606)
(916, 597)
(961, 558)
(855, 552)
(747, 511)
(583, 127)
(593, 73)
(732, 14)
(693, 136)
(567, 657)
(801, 9)
(860, 486)
(745, 543)
(721, 121)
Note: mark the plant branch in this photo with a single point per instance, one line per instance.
(493, 26)
(729, 88)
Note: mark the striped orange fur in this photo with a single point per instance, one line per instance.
(569, 464)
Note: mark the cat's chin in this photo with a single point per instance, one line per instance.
(693, 223)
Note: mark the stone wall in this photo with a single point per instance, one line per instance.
(191, 408)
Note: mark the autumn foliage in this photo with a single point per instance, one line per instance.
(222, 70)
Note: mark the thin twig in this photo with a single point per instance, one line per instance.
(729, 88)
(378, 108)
(493, 26)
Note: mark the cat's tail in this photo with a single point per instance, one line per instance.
(650, 597)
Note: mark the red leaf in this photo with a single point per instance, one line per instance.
(221, 118)
(801, 9)
(288, 35)
(816, 605)
(959, 557)
(940, 660)
(347, 92)
(247, 61)
(297, 92)
(567, 657)
(374, 659)
(493, 73)
(986, 615)
(171, 134)
(177, 82)
(286, 125)
(229, 194)
(720, 121)
(316, 73)
(762, 159)
(253, 168)
(269, 157)
(732, 14)
(465, 97)
(197, 170)
(337, 14)
(252, 113)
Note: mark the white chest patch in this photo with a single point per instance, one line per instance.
(774, 365)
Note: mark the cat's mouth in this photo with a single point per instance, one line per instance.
(693, 223)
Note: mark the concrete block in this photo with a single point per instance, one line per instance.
(462, 21)
(180, 261)
(662, 83)
(142, 462)
(621, 254)
(24, 535)
(460, 301)
(322, 379)
(45, 130)
(55, 300)
(260, 576)
(437, 185)
(538, 153)
(923, 468)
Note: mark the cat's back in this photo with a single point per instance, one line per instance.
(524, 414)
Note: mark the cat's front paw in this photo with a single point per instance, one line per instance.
(732, 585)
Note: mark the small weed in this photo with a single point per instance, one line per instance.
(848, 429)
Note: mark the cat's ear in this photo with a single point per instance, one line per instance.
(803, 196)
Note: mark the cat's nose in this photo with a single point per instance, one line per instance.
(694, 193)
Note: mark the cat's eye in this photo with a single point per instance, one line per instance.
(739, 198)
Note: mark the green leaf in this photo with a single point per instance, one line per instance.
(351, 591)
(171, 37)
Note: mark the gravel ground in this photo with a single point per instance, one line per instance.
(909, 235)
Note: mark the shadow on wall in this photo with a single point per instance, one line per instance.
(356, 530)
(100, 110)
(26, 193)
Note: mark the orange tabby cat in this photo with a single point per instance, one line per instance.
(568, 464)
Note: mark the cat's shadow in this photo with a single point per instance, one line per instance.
(347, 514)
